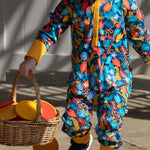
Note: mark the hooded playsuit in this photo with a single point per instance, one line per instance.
(101, 70)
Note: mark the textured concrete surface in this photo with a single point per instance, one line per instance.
(136, 130)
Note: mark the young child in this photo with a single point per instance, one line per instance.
(101, 69)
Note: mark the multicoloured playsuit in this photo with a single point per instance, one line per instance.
(101, 69)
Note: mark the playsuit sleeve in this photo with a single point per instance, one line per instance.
(136, 31)
(59, 21)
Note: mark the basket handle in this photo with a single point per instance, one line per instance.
(37, 92)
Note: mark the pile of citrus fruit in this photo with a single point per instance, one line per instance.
(26, 110)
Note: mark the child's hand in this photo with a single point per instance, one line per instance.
(28, 65)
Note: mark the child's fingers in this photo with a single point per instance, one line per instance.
(25, 73)
(24, 69)
(32, 71)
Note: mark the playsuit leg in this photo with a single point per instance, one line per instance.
(112, 107)
(77, 116)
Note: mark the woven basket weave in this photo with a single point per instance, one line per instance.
(25, 133)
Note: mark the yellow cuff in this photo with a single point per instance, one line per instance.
(147, 60)
(50, 146)
(82, 140)
(37, 50)
(102, 147)
(148, 63)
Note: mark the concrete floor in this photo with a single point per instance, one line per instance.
(136, 130)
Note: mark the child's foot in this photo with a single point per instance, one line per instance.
(76, 146)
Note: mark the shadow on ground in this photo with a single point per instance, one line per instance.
(53, 88)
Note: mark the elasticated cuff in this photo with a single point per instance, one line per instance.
(148, 63)
(37, 50)
(148, 60)
(102, 147)
(82, 140)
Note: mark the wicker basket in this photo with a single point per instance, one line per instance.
(25, 133)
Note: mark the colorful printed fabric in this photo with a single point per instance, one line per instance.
(112, 106)
(101, 74)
